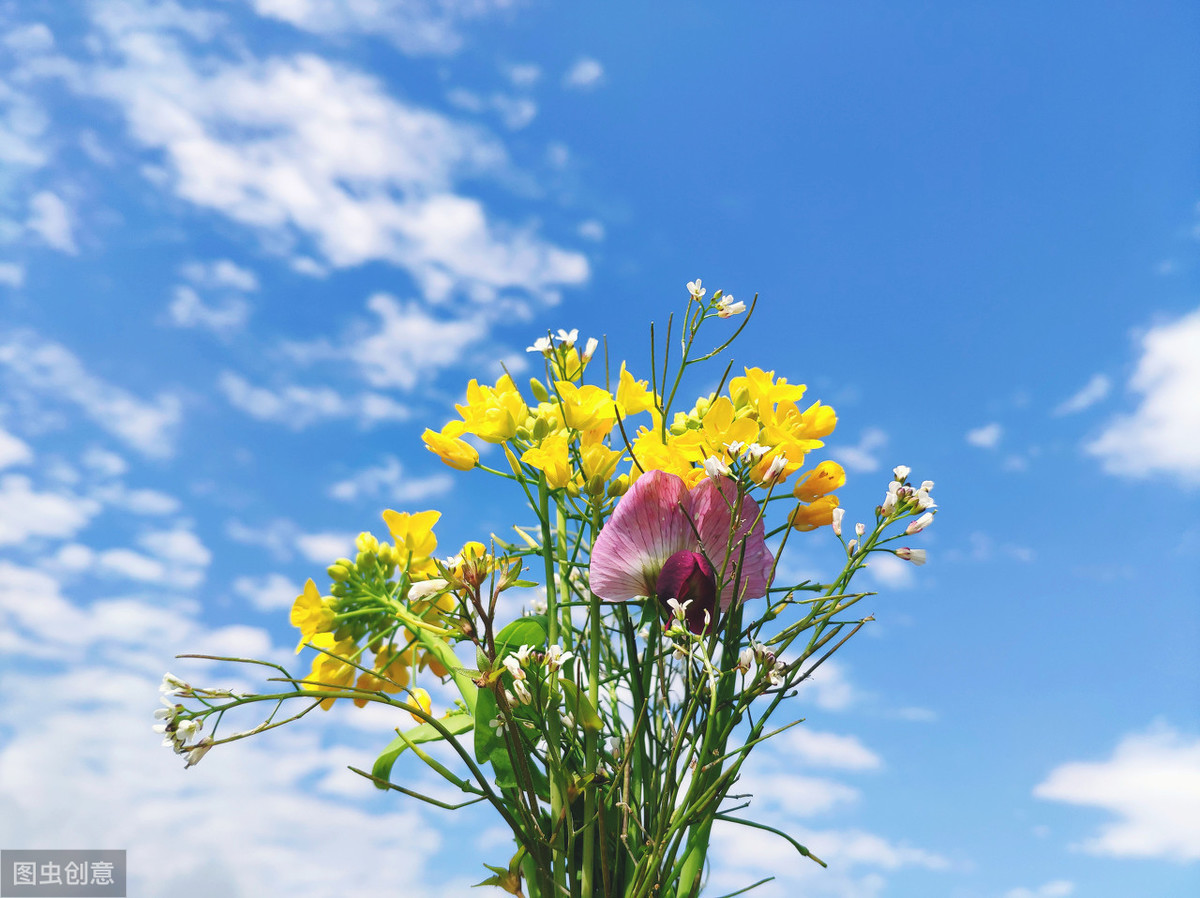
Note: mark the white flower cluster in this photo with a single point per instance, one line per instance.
(758, 653)
(177, 731)
(723, 303)
(552, 660)
(566, 339)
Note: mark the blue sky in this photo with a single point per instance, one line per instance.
(250, 249)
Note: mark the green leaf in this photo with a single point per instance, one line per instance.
(577, 704)
(490, 745)
(529, 630)
(456, 722)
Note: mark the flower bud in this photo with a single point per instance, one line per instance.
(916, 556)
(920, 523)
(367, 542)
(838, 514)
(901, 472)
(337, 573)
(540, 393)
(619, 486)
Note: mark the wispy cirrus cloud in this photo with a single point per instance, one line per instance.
(52, 371)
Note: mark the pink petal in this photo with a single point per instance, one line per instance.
(647, 527)
(712, 506)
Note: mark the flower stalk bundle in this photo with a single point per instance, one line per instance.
(608, 724)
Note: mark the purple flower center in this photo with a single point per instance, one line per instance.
(688, 577)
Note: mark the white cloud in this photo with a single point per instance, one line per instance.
(891, 571)
(178, 546)
(32, 38)
(270, 593)
(136, 501)
(221, 273)
(417, 27)
(283, 539)
(404, 346)
(23, 124)
(26, 513)
(104, 462)
(53, 221)
(187, 309)
(591, 229)
(12, 274)
(13, 450)
(1058, 888)
(1151, 784)
(584, 74)
(298, 407)
(1091, 393)
(387, 480)
(829, 687)
(304, 150)
(986, 437)
(862, 457)
(523, 74)
(819, 749)
(147, 426)
(1162, 435)
(78, 744)
(324, 548)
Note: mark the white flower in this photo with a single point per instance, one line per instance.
(423, 589)
(696, 289)
(172, 685)
(513, 664)
(523, 654)
(538, 604)
(901, 472)
(776, 468)
(756, 451)
(542, 345)
(745, 659)
(860, 529)
(556, 657)
(916, 556)
(678, 608)
(522, 692)
(187, 729)
(920, 523)
(727, 308)
(926, 486)
(497, 723)
(715, 468)
(775, 674)
(590, 348)
(838, 514)
(198, 752)
(735, 447)
(925, 501)
(568, 338)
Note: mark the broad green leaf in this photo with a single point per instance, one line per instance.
(490, 745)
(457, 723)
(529, 630)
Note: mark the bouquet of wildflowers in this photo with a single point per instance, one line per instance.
(608, 725)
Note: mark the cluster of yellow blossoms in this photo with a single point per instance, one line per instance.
(368, 611)
(567, 434)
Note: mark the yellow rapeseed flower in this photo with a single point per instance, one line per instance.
(311, 613)
(633, 395)
(598, 464)
(761, 390)
(815, 514)
(586, 408)
(458, 454)
(820, 481)
(413, 535)
(652, 453)
(329, 672)
(493, 413)
(721, 427)
(551, 456)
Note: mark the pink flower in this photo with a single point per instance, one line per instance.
(654, 521)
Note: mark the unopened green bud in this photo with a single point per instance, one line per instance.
(367, 542)
(337, 573)
(540, 393)
(702, 405)
(541, 428)
(339, 589)
(363, 559)
(619, 486)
